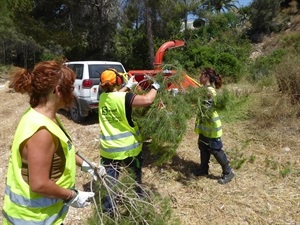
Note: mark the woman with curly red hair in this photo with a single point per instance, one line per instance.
(41, 173)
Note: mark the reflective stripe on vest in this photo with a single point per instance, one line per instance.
(120, 149)
(49, 221)
(21, 205)
(33, 203)
(118, 140)
(117, 136)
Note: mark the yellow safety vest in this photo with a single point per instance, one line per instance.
(208, 123)
(118, 140)
(21, 205)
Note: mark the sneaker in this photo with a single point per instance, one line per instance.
(200, 173)
(226, 178)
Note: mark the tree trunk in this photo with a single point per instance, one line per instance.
(149, 34)
(25, 55)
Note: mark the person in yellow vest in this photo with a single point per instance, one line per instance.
(40, 181)
(120, 140)
(208, 126)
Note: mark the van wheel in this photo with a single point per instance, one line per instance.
(75, 114)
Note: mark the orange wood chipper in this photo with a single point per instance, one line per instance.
(142, 76)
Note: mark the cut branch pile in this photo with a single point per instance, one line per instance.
(128, 207)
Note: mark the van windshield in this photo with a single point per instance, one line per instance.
(96, 70)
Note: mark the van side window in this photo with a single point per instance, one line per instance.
(96, 70)
(78, 69)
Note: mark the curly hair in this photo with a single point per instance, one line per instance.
(214, 78)
(42, 81)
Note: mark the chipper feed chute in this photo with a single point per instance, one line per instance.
(141, 75)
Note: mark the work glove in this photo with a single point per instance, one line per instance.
(81, 199)
(155, 85)
(131, 83)
(207, 104)
(85, 167)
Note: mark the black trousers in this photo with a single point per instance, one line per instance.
(113, 169)
(212, 146)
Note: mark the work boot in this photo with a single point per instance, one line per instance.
(226, 178)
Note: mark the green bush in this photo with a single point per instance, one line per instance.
(262, 66)
(292, 41)
(217, 25)
(229, 65)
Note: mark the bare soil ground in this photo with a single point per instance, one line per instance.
(258, 195)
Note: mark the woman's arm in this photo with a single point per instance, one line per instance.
(39, 151)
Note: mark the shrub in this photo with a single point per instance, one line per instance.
(288, 77)
(262, 66)
(292, 41)
(229, 65)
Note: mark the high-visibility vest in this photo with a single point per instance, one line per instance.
(208, 123)
(21, 205)
(118, 140)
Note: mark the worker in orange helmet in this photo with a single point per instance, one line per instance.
(120, 139)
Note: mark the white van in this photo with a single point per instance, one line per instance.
(87, 84)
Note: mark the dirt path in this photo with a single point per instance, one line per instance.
(258, 195)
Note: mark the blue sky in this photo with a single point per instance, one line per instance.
(244, 2)
(241, 3)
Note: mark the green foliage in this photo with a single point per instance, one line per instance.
(200, 56)
(165, 121)
(217, 25)
(229, 65)
(226, 64)
(234, 44)
(220, 5)
(262, 66)
(232, 107)
(224, 100)
(237, 158)
(252, 159)
(262, 15)
(292, 41)
(286, 169)
(217, 44)
(198, 22)
(132, 48)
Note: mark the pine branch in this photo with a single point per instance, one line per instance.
(165, 121)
